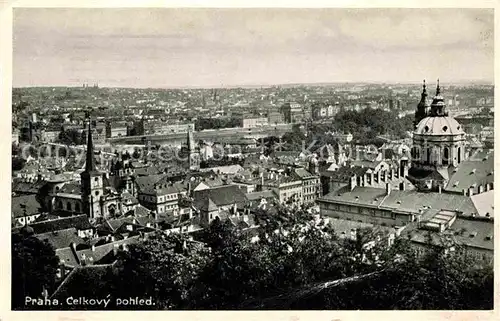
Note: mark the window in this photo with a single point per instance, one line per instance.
(96, 179)
(96, 193)
(77, 207)
(446, 156)
(68, 207)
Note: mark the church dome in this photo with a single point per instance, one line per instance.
(433, 126)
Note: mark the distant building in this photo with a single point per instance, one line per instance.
(274, 118)
(293, 112)
(116, 129)
(254, 122)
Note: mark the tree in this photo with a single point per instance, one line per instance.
(34, 267)
(165, 267)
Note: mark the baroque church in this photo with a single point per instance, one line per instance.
(94, 195)
(440, 152)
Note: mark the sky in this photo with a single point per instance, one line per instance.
(169, 47)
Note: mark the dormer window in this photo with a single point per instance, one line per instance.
(445, 128)
(426, 128)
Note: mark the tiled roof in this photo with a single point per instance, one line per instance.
(220, 196)
(477, 170)
(19, 186)
(164, 190)
(80, 222)
(344, 173)
(469, 232)
(408, 201)
(32, 205)
(144, 182)
(99, 252)
(116, 223)
(302, 173)
(71, 188)
(61, 239)
(145, 171)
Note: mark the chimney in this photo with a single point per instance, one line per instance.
(480, 189)
(405, 171)
(464, 191)
(470, 191)
(387, 189)
(379, 173)
(371, 178)
(392, 172)
(439, 189)
(353, 181)
(93, 248)
(402, 186)
(487, 187)
(396, 172)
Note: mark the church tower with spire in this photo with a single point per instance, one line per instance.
(92, 180)
(423, 107)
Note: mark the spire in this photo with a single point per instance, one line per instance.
(438, 89)
(90, 165)
(424, 91)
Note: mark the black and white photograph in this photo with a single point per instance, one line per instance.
(204, 158)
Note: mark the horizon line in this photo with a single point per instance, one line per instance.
(320, 84)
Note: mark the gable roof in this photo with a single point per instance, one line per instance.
(80, 222)
(220, 196)
(61, 239)
(71, 188)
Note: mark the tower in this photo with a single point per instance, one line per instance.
(92, 181)
(422, 108)
(438, 143)
(194, 156)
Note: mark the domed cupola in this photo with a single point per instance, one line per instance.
(438, 140)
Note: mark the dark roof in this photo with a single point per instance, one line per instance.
(144, 182)
(116, 223)
(220, 196)
(344, 173)
(22, 187)
(18, 202)
(80, 222)
(71, 188)
(145, 171)
(61, 239)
